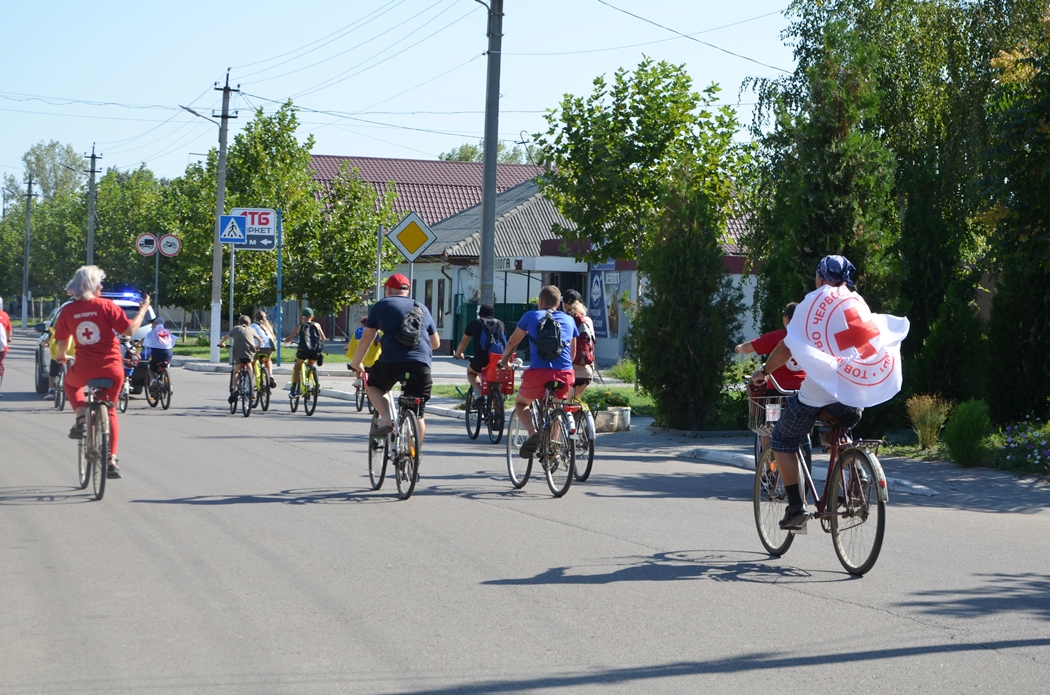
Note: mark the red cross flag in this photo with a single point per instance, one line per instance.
(845, 349)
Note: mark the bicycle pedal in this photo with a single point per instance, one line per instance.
(801, 530)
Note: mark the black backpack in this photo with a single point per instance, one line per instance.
(548, 338)
(411, 328)
(311, 337)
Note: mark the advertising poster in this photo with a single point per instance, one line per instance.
(596, 307)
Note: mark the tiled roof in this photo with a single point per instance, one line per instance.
(523, 219)
(434, 190)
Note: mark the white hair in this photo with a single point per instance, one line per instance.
(86, 282)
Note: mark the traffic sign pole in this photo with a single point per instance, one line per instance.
(280, 251)
(156, 281)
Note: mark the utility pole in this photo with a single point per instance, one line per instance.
(25, 260)
(220, 208)
(91, 206)
(487, 259)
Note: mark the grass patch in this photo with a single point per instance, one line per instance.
(913, 451)
(623, 370)
(596, 397)
(190, 349)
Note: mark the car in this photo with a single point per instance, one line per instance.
(128, 301)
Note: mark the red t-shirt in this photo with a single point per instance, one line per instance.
(94, 325)
(790, 376)
(5, 325)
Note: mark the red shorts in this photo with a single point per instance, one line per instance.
(534, 382)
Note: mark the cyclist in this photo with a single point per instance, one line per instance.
(268, 338)
(835, 338)
(397, 360)
(311, 345)
(371, 355)
(55, 367)
(541, 371)
(789, 376)
(487, 329)
(157, 345)
(94, 322)
(583, 356)
(245, 344)
(5, 337)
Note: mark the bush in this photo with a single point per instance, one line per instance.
(203, 340)
(965, 432)
(602, 399)
(927, 415)
(1025, 447)
(623, 370)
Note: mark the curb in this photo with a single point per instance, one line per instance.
(747, 463)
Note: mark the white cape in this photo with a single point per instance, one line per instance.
(849, 352)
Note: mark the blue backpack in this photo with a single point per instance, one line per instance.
(492, 339)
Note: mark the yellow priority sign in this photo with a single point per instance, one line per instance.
(412, 237)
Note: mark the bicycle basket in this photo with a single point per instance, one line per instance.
(763, 413)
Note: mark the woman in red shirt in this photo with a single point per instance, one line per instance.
(94, 324)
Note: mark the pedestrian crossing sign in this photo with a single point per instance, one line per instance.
(232, 229)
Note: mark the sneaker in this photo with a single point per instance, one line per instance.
(273, 384)
(528, 448)
(113, 470)
(358, 383)
(232, 398)
(50, 395)
(294, 392)
(381, 431)
(794, 517)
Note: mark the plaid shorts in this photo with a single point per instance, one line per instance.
(794, 425)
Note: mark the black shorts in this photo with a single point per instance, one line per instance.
(55, 369)
(581, 383)
(303, 354)
(264, 351)
(385, 375)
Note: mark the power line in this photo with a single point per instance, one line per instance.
(63, 101)
(648, 43)
(425, 82)
(692, 38)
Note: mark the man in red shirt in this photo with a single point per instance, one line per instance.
(94, 323)
(5, 339)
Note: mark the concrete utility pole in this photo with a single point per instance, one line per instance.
(91, 206)
(25, 260)
(487, 260)
(220, 208)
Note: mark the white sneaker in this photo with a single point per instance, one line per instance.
(50, 395)
(358, 383)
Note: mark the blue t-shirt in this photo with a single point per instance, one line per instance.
(386, 316)
(529, 323)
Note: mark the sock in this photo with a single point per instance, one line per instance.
(794, 496)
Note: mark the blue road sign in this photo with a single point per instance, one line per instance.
(232, 229)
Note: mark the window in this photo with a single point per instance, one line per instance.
(428, 295)
(439, 316)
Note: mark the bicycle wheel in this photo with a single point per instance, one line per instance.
(518, 468)
(770, 502)
(60, 391)
(258, 379)
(165, 390)
(406, 463)
(310, 392)
(99, 450)
(359, 398)
(83, 467)
(497, 417)
(153, 390)
(123, 396)
(244, 391)
(378, 453)
(758, 449)
(293, 401)
(585, 453)
(859, 513)
(472, 413)
(558, 453)
(264, 395)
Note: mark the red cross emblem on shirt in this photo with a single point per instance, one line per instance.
(858, 334)
(87, 335)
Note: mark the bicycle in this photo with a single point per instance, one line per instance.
(261, 398)
(244, 389)
(489, 407)
(852, 506)
(93, 448)
(158, 386)
(401, 445)
(125, 388)
(308, 388)
(556, 453)
(361, 393)
(60, 390)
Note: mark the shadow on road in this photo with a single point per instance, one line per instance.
(11, 496)
(1027, 594)
(301, 496)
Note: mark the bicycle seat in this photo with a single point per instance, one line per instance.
(554, 385)
(100, 383)
(161, 366)
(246, 360)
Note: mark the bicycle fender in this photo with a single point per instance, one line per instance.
(590, 424)
(883, 488)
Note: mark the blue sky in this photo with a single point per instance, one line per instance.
(397, 78)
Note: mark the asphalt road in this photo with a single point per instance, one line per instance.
(250, 556)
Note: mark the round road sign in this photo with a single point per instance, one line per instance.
(170, 245)
(146, 244)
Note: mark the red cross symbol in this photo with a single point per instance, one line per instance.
(858, 334)
(87, 335)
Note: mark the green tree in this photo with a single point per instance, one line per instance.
(476, 153)
(129, 204)
(56, 169)
(824, 180)
(612, 152)
(189, 213)
(1020, 212)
